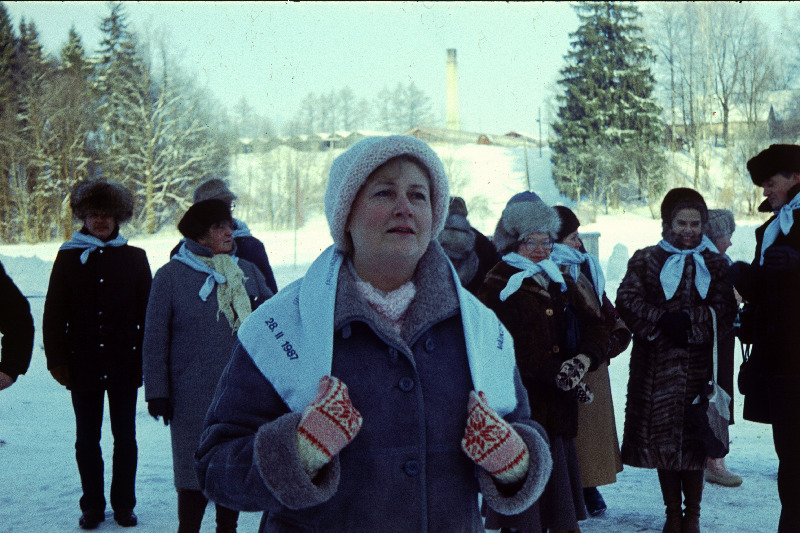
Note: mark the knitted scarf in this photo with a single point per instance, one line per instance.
(223, 270)
(290, 338)
(782, 223)
(567, 255)
(529, 269)
(672, 271)
(391, 306)
(90, 243)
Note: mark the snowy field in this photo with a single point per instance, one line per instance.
(40, 487)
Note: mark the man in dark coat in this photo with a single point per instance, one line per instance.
(16, 326)
(772, 284)
(247, 246)
(93, 326)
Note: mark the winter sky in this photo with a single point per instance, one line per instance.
(275, 53)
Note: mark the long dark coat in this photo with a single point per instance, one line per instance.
(665, 379)
(187, 343)
(534, 317)
(94, 316)
(776, 335)
(405, 470)
(16, 326)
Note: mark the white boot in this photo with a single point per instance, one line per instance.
(717, 472)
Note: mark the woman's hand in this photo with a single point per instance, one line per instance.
(491, 442)
(328, 424)
(572, 372)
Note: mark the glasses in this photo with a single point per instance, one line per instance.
(233, 206)
(532, 244)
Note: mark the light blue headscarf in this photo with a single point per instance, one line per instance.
(567, 255)
(783, 221)
(189, 259)
(90, 243)
(529, 269)
(672, 271)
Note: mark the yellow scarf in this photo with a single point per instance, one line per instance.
(232, 298)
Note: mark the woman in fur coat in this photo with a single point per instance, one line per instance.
(197, 303)
(375, 393)
(558, 337)
(666, 298)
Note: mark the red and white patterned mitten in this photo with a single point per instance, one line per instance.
(492, 443)
(328, 424)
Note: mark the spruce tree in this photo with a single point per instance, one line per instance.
(608, 130)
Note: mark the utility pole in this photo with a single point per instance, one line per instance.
(539, 120)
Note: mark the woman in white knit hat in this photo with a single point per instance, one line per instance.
(558, 337)
(375, 394)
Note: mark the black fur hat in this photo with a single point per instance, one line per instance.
(101, 195)
(569, 222)
(199, 218)
(776, 158)
(680, 198)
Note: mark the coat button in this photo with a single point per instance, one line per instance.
(406, 384)
(101, 280)
(411, 468)
(548, 312)
(429, 345)
(556, 349)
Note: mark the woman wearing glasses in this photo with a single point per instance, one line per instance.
(557, 339)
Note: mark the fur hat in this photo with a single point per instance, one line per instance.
(351, 169)
(776, 158)
(525, 213)
(569, 222)
(101, 195)
(199, 218)
(213, 188)
(720, 224)
(681, 198)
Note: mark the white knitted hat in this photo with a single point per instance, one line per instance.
(350, 171)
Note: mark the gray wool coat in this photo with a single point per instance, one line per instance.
(405, 470)
(186, 346)
(665, 379)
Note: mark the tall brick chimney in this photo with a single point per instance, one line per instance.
(453, 120)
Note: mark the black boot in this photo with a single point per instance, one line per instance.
(670, 481)
(191, 508)
(90, 519)
(692, 485)
(226, 519)
(594, 501)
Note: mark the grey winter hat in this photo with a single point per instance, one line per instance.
(525, 213)
(215, 189)
(720, 224)
(101, 195)
(351, 169)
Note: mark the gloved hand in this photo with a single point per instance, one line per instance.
(781, 258)
(329, 423)
(491, 443)
(618, 341)
(160, 407)
(61, 374)
(572, 371)
(583, 392)
(675, 325)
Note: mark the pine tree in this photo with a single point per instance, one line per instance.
(607, 114)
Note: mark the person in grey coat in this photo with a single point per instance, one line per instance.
(198, 300)
(375, 393)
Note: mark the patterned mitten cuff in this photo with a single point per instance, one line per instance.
(572, 371)
(583, 392)
(328, 424)
(491, 442)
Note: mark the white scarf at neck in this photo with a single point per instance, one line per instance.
(529, 269)
(290, 338)
(672, 271)
(783, 221)
(567, 255)
(90, 243)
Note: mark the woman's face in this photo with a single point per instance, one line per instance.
(391, 219)
(536, 246)
(688, 227)
(723, 243)
(572, 240)
(219, 238)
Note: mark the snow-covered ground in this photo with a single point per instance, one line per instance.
(39, 484)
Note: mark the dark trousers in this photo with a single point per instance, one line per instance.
(784, 398)
(88, 406)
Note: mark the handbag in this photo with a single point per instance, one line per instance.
(710, 411)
